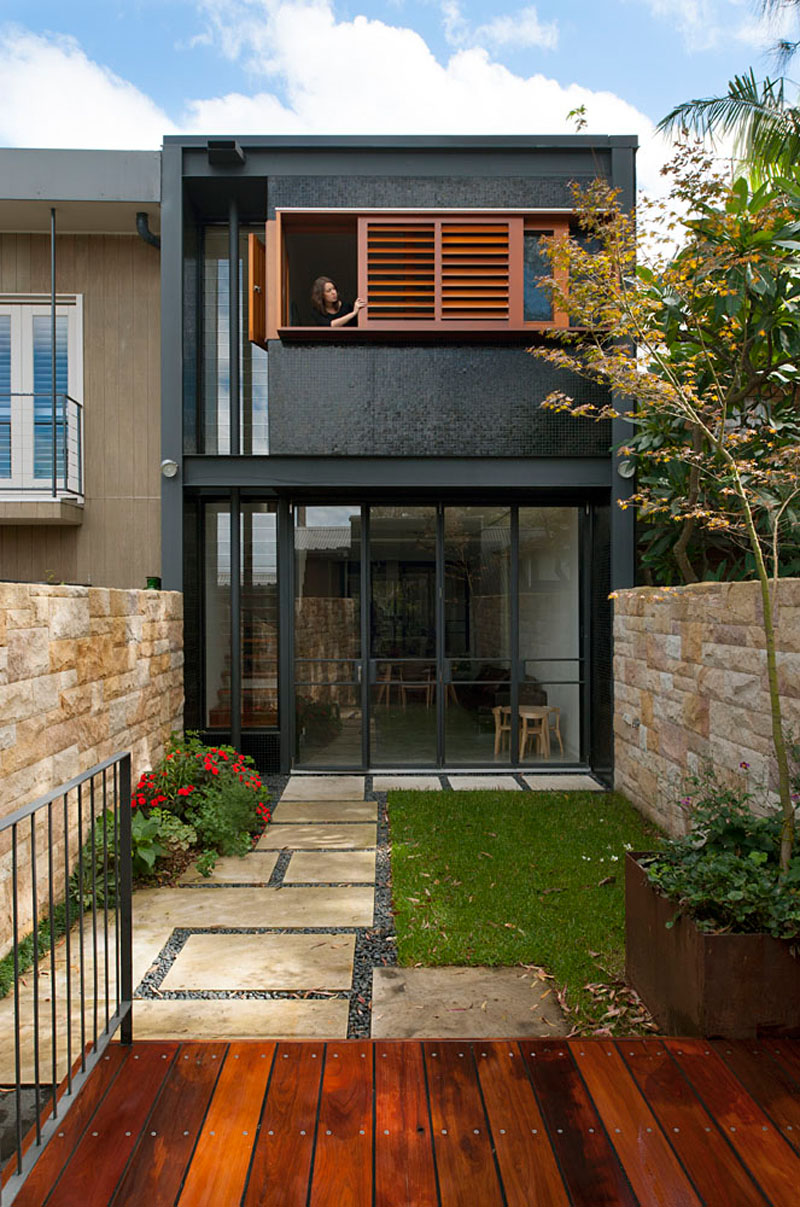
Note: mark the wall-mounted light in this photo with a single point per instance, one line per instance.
(627, 469)
(169, 468)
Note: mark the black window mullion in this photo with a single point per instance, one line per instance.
(516, 668)
(365, 653)
(236, 621)
(441, 693)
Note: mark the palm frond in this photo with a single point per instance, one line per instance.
(767, 130)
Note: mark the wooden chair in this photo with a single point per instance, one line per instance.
(553, 719)
(502, 727)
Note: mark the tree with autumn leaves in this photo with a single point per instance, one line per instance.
(700, 348)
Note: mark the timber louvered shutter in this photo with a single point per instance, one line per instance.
(257, 291)
(440, 271)
(475, 270)
(401, 263)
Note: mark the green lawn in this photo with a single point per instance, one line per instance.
(502, 878)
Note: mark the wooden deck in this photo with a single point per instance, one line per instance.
(387, 1123)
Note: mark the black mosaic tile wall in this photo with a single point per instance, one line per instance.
(421, 192)
(446, 401)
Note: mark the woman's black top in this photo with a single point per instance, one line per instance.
(324, 320)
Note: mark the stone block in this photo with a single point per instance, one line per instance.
(68, 617)
(28, 653)
(695, 714)
(46, 692)
(63, 655)
(124, 602)
(691, 642)
(16, 700)
(99, 601)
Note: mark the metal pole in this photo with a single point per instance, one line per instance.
(124, 889)
(233, 328)
(53, 340)
(236, 621)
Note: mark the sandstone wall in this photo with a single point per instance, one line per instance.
(690, 688)
(85, 673)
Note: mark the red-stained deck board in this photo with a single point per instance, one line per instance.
(220, 1162)
(528, 1167)
(462, 1144)
(652, 1167)
(56, 1154)
(591, 1170)
(342, 1171)
(705, 1153)
(404, 1170)
(281, 1162)
(772, 1162)
(474, 1123)
(162, 1155)
(96, 1166)
(767, 1082)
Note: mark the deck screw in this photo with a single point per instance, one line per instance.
(361, 1131)
(154, 1133)
(212, 1133)
(127, 1133)
(591, 1131)
(649, 1129)
(535, 1131)
(270, 1132)
(559, 1130)
(476, 1131)
(385, 1131)
(186, 1133)
(444, 1131)
(95, 1133)
(328, 1132)
(302, 1133)
(676, 1129)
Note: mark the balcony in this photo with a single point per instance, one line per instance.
(41, 459)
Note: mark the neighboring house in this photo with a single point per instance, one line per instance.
(387, 548)
(91, 513)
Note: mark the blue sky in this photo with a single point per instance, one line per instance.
(125, 73)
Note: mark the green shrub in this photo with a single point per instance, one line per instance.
(725, 873)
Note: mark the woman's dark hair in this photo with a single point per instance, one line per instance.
(317, 290)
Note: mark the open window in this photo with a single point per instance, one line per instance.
(428, 271)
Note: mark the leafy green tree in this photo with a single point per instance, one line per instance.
(701, 350)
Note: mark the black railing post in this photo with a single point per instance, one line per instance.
(125, 905)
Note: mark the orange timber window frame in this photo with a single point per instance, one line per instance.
(450, 271)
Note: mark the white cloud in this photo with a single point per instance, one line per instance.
(698, 21)
(52, 95)
(519, 29)
(304, 71)
(522, 29)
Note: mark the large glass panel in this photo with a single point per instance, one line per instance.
(537, 302)
(327, 636)
(218, 615)
(259, 586)
(43, 393)
(254, 431)
(403, 635)
(477, 642)
(549, 634)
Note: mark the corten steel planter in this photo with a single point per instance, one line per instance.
(732, 986)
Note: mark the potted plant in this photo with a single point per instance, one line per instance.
(713, 923)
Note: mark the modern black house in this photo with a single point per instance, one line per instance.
(392, 556)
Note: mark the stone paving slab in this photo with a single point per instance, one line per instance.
(563, 783)
(462, 1003)
(469, 783)
(412, 783)
(310, 838)
(282, 962)
(254, 868)
(324, 787)
(248, 1018)
(325, 811)
(236, 908)
(331, 867)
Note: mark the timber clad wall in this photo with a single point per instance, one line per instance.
(84, 673)
(118, 544)
(690, 688)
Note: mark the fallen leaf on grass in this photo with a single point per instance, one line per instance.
(483, 1005)
(608, 880)
(486, 854)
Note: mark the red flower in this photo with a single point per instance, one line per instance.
(185, 791)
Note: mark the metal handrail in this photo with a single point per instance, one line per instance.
(95, 808)
(65, 466)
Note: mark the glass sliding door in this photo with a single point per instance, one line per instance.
(259, 615)
(403, 679)
(477, 634)
(549, 635)
(327, 636)
(217, 610)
